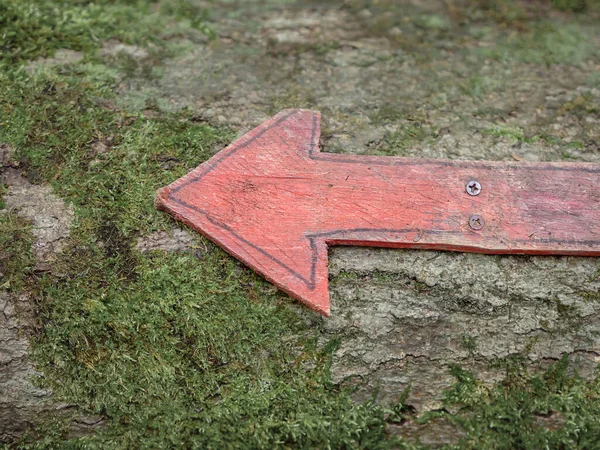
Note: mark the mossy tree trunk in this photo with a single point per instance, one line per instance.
(403, 317)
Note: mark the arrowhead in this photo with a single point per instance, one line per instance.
(254, 199)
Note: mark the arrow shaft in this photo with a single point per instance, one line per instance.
(524, 208)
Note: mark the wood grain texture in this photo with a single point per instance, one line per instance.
(275, 202)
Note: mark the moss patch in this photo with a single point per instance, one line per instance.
(514, 414)
(16, 261)
(37, 28)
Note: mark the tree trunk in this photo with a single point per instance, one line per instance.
(404, 316)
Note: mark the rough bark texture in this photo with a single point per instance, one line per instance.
(23, 406)
(21, 402)
(176, 240)
(403, 316)
(50, 217)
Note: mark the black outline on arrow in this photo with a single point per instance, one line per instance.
(315, 154)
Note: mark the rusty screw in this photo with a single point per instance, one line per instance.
(473, 187)
(476, 222)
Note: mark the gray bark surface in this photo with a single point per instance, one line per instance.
(24, 406)
(404, 316)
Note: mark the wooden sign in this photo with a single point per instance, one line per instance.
(275, 202)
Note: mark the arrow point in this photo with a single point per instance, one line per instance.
(238, 199)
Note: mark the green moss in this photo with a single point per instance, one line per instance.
(570, 5)
(581, 107)
(410, 130)
(389, 113)
(294, 97)
(469, 343)
(37, 28)
(511, 415)
(16, 260)
(503, 131)
(433, 22)
(348, 275)
(190, 353)
(517, 134)
(326, 47)
(565, 311)
(185, 10)
(593, 79)
(503, 12)
(100, 160)
(547, 43)
(592, 296)
(396, 143)
(567, 156)
(478, 86)
(3, 191)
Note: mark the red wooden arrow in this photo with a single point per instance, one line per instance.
(275, 202)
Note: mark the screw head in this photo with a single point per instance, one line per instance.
(476, 222)
(473, 187)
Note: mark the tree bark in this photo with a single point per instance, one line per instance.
(403, 316)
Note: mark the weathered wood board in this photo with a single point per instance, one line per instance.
(275, 202)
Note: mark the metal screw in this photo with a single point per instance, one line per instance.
(476, 222)
(473, 187)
